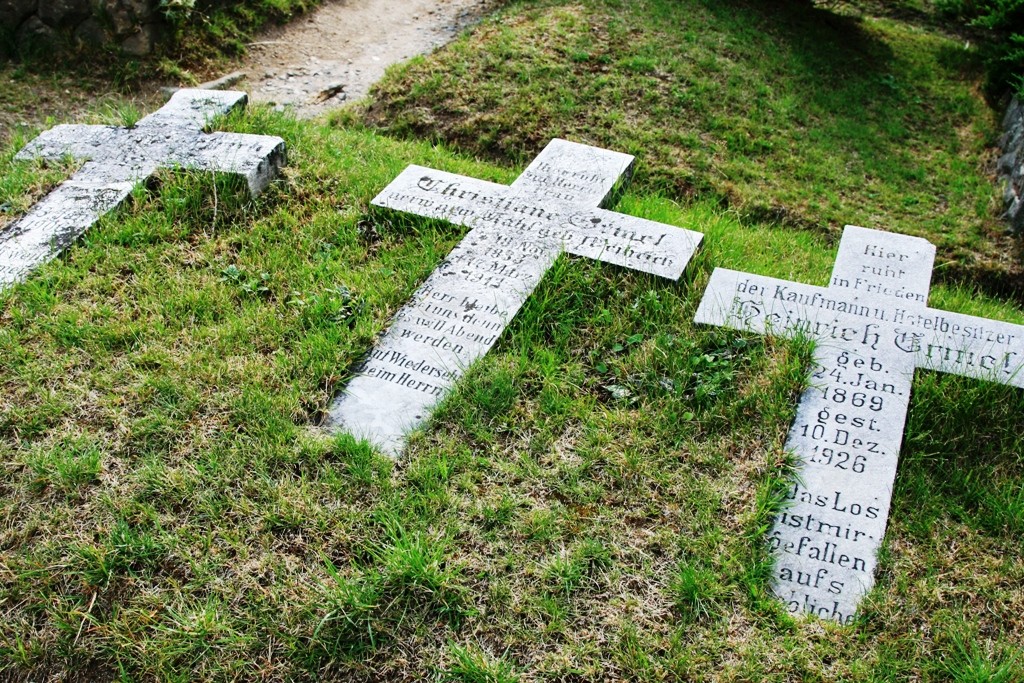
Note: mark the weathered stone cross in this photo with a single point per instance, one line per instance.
(517, 233)
(873, 327)
(117, 159)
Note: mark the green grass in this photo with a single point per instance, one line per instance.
(25, 184)
(784, 112)
(37, 97)
(190, 34)
(63, 79)
(168, 514)
(215, 29)
(591, 501)
(474, 666)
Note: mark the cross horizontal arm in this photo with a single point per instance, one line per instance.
(445, 196)
(630, 242)
(935, 340)
(608, 236)
(254, 157)
(766, 305)
(78, 141)
(964, 345)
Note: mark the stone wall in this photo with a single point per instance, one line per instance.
(1011, 166)
(131, 25)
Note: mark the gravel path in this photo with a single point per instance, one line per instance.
(336, 53)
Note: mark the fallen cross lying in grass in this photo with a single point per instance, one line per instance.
(873, 328)
(117, 159)
(517, 233)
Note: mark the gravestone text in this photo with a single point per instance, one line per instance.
(872, 327)
(516, 234)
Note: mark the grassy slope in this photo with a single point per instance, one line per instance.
(787, 113)
(166, 513)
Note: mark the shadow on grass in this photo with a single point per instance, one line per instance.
(834, 48)
(988, 280)
(785, 112)
(948, 466)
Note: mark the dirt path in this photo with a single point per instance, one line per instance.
(339, 50)
(336, 53)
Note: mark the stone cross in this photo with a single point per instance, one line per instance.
(461, 309)
(118, 159)
(872, 327)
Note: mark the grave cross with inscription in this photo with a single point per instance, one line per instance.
(872, 328)
(516, 234)
(117, 159)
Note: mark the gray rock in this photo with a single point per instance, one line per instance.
(1013, 209)
(64, 13)
(13, 12)
(1015, 128)
(141, 42)
(1010, 167)
(1016, 217)
(516, 233)
(126, 16)
(1005, 164)
(33, 33)
(1013, 113)
(92, 33)
(118, 159)
(872, 328)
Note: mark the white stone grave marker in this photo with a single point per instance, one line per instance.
(517, 233)
(117, 159)
(872, 328)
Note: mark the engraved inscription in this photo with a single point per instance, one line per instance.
(872, 328)
(516, 234)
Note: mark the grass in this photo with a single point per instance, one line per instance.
(589, 504)
(215, 29)
(34, 98)
(24, 184)
(191, 36)
(785, 112)
(168, 514)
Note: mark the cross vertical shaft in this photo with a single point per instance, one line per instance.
(871, 327)
(516, 234)
(118, 159)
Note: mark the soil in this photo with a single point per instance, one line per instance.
(335, 54)
(31, 102)
(318, 62)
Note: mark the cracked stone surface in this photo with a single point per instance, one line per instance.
(118, 159)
